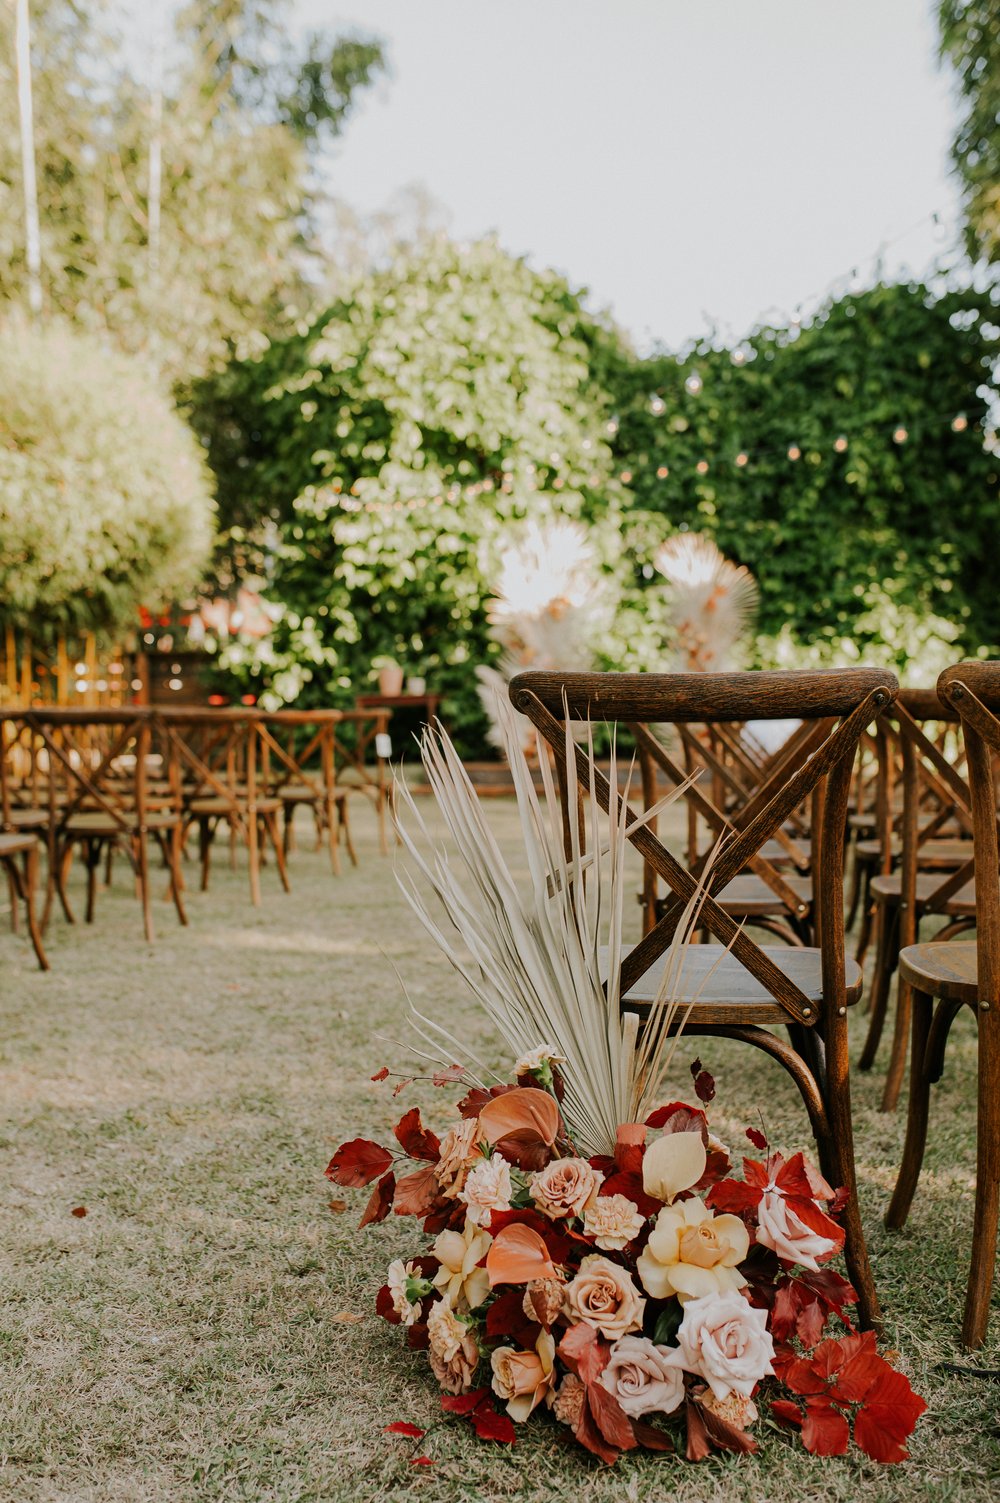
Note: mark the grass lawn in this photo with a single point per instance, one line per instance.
(183, 1340)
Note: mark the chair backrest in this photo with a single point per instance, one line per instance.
(973, 689)
(843, 703)
(98, 759)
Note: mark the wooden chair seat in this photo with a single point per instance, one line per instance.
(933, 855)
(890, 890)
(947, 971)
(14, 844)
(748, 896)
(27, 819)
(211, 806)
(775, 852)
(97, 825)
(733, 995)
(303, 795)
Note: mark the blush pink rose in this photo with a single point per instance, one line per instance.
(725, 1339)
(643, 1377)
(780, 1229)
(565, 1188)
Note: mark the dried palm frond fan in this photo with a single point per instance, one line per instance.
(535, 955)
(713, 603)
(543, 609)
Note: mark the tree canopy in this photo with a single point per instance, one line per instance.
(970, 41)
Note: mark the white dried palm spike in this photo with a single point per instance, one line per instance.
(713, 602)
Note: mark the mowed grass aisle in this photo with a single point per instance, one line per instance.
(186, 1339)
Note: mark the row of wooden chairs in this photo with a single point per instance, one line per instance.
(767, 834)
(104, 781)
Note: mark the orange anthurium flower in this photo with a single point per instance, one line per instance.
(518, 1255)
(523, 1110)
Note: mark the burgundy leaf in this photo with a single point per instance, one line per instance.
(358, 1163)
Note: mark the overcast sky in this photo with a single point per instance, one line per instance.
(687, 160)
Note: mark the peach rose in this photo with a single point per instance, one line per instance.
(613, 1221)
(603, 1295)
(524, 1379)
(460, 1279)
(564, 1188)
(692, 1253)
(725, 1339)
(644, 1377)
(779, 1228)
(454, 1355)
(459, 1151)
(487, 1189)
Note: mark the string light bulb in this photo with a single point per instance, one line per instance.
(794, 452)
(900, 435)
(959, 423)
(657, 405)
(840, 443)
(702, 467)
(742, 459)
(662, 472)
(694, 384)
(625, 476)
(612, 427)
(739, 356)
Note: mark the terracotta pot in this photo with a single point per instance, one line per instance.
(390, 680)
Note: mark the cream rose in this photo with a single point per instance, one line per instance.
(398, 1279)
(454, 1355)
(644, 1377)
(692, 1253)
(564, 1188)
(487, 1189)
(459, 1279)
(524, 1379)
(725, 1339)
(603, 1295)
(613, 1221)
(779, 1228)
(459, 1151)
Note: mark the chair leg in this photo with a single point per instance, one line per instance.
(855, 895)
(271, 826)
(30, 884)
(92, 857)
(917, 1113)
(345, 821)
(141, 858)
(170, 850)
(867, 917)
(984, 1226)
(897, 1054)
(838, 1107)
(13, 897)
(62, 867)
(253, 854)
(205, 837)
(888, 929)
(333, 835)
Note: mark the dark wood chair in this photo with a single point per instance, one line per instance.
(752, 990)
(945, 977)
(18, 849)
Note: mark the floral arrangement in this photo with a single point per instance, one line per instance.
(644, 1298)
(589, 1252)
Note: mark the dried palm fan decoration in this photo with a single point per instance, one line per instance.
(535, 955)
(713, 603)
(543, 611)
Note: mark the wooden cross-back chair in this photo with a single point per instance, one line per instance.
(301, 745)
(751, 990)
(223, 762)
(775, 892)
(19, 844)
(933, 876)
(943, 978)
(98, 765)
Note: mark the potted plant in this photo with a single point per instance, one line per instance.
(390, 676)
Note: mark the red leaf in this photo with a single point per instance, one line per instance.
(80, 1211)
(757, 1138)
(704, 1086)
(415, 1193)
(697, 1436)
(830, 1287)
(489, 1425)
(421, 1461)
(384, 1306)
(380, 1203)
(888, 1417)
(398, 1090)
(679, 1117)
(358, 1163)
(733, 1195)
(631, 1186)
(589, 1436)
(809, 1323)
(650, 1437)
(610, 1418)
(464, 1403)
(338, 1207)
(472, 1104)
(695, 1067)
(786, 1413)
(403, 1427)
(417, 1338)
(382, 1074)
(726, 1436)
(584, 1352)
(802, 1377)
(840, 1201)
(785, 1310)
(415, 1139)
(506, 1319)
(557, 1242)
(792, 1178)
(756, 1174)
(629, 1147)
(818, 1221)
(825, 1431)
(449, 1076)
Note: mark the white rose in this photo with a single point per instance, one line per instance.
(725, 1339)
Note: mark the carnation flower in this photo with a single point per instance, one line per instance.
(401, 1279)
(453, 1353)
(692, 1253)
(459, 1278)
(779, 1228)
(524, 1379)
(603, 1295)
(736, 1409)
(543, 1300)
(566, 1402)
(487, 1189)
(725, 1339)
(537, 1059)
(643, 1377)
(613, 1221)
(459, 1151)
(565, 1188)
